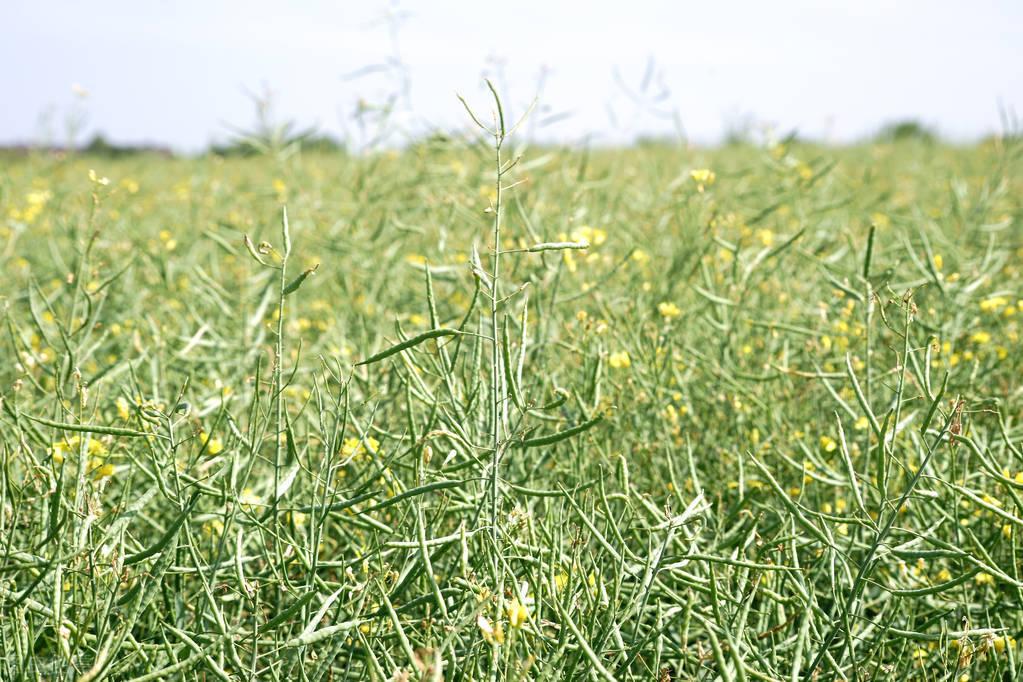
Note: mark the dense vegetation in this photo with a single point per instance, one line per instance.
(745, 413)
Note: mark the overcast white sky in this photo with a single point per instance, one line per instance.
(177, 72)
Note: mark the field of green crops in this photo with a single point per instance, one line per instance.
(466, 413)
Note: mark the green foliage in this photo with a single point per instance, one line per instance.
(720, 414)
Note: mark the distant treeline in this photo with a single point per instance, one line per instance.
(99, 145)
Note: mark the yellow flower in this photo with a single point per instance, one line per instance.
(491, 634)
(828, 444)
(594, 236)
(881, 220)
(569, 260)
(984, 579)
(96, 448)
(123, 409)
(249, 498)
(355, 448)
(97, 179)
(668, 310)
(100, 470)
(93, 447)
(619, 360)
(994, 303)
(38, 198)
(213, 527)
(214, 446)
(861, 424)
(980, 337)
(704, 177)
(517, 613)
(1003, 642)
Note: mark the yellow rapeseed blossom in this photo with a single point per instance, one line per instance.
(213, 527)
(249, 498)
(492, 634)
(569, 260)
(668, 310)
(619, 360)
(123, 409)
(34, 203)
(993, 304)
(1002, 643)
(97, 179)
(213, 446)
(704, 177)
(94, 448)
(100, 470)
(357, 449)
(517, 613)
(881, 220)
(592, 235)
(984, 579)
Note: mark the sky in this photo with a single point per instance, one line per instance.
(184, 73)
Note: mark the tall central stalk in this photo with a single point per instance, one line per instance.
(278, 381)
(497, 394)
